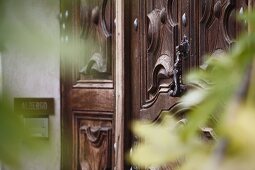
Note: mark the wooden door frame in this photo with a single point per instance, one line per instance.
(119, 86)
(68, 16)
(122, 82)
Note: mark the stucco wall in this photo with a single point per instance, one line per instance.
(36, 73)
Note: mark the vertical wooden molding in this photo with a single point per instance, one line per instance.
(119, 86)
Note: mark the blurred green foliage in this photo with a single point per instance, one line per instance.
(224, 101)
(11, 134)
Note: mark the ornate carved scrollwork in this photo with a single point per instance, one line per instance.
(95, 15)
(162, 70)
(158, 48)
(206, 6)
(95, 143)
(96, 64)
(95, 135)
(219, 26)
(229, 18)
(163, 16)
(177, 87)
(171, 5)
(154, 21)
(217, 9)
(96, 26)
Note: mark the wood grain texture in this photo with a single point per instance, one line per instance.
(87, 85)
(94, 134)
(154, 56)
(218, 25)
(93, 99)
(96, 27)
(211, 27)
(120, 85)
(128, 73)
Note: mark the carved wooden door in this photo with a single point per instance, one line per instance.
(87, 40)
(158, 27)
(157, 31)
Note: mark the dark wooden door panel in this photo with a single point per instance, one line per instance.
(154, 57)
(87, 85)
(96, 26)
(93, 99)
(210, 26)
(94, 136)
(154, 30)
(218, 25)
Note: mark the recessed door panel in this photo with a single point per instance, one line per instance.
(153, 63)
(87, 84)
(219, 26)
(209, 26)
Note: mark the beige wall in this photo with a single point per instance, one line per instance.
(35, 73)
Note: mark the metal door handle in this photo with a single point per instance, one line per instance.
(182, 51)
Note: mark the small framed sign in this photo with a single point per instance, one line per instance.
(35, 112)
(34, 106)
